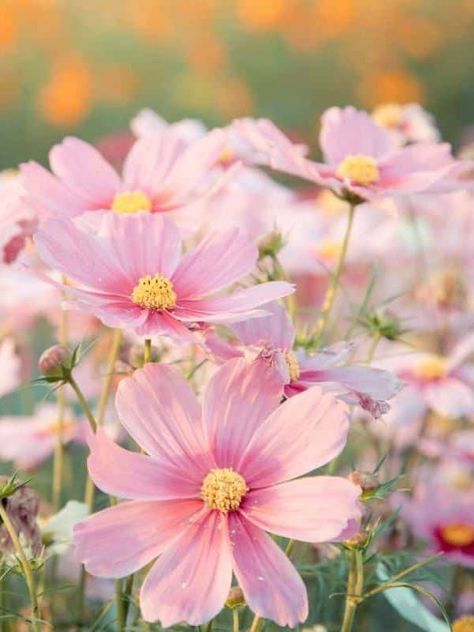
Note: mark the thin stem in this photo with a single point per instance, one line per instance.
(58, 463)
(123, 601)
(355, 586)
(84, 405)
(372, 349)
(235, 620)
(147, 351)
(208, 626)
(25, 565)
(333, 288)
(109, 375)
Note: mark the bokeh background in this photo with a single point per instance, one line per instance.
(86, 66)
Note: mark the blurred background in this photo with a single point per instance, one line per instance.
(72, 66)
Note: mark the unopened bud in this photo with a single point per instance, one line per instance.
(357, 540)
(365, 480)
(383, 323)
(271, 244)
(235, 599)
(53, 360)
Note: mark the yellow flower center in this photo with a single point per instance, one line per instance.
(57, 426)
(388, 115)
(458, 534)
(223, 489)
(464, 624)
(359, 169)
(131, 202)
(292, 364)
(431, 368)
(154, 292)
(330, 250)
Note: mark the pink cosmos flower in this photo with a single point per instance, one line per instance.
(444, 517)
(132, 274)
(270, 340)
(30, 440)
(161, 173)
(443, 384)
(11, 367)
(408, 123)
(362, 160)
(212, 483)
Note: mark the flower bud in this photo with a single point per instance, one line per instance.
(365, 480)
(53, 360)
(270, 245)
(356, 541)
(235, 599)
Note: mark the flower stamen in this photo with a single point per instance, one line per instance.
(154, 292)
(223, 489)
(293, 366)
(431, 368)
(359, 169)
(458, 534)
(131, 202)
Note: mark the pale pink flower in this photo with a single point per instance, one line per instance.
(147, 122)
(30, 440)
(362, 160)
(408, 123)
(270, 340)
(132, 274)
(213, 483)
(17, 219)
(10, 365)
(161, 173)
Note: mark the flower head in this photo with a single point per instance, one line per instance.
(212, 482)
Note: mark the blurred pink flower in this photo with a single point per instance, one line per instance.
(10, 367)
(133, 274)
(270, 340)
(362, 159)
(214, 482)
(408, 123)
(161, 173)
(17, 219)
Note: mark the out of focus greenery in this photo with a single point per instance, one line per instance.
(83, 67)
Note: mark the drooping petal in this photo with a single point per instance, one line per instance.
(122, 539)
(82, 168)
(305, 432)
(347, 131)
(191, 580)
(159, 410)
(276, 328)
(324, 506)
(219, 260)
(133, 475)
(271, 585)
(238, 398)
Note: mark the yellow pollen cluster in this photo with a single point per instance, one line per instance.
(223, 489)
(60, 426)
(359, 169)
(464, 624)
(330, 250)
(292, 364)
(154, 292)
(131, 202)
(388, 115)
(458, 534)
(431, 368)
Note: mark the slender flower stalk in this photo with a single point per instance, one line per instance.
(147, 351)
(235, 620)
(109, 375)
(58, 463)
(355, 586)
(332, 291)
(26, 567)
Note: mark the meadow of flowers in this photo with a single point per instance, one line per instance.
(238, 383)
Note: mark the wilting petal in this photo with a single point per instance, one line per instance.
(324, 505)
(305, 432)
(272, 587)
(238, 398)
(191, 580)
(159, 410)
(132, 475)
(122, 539)
(215, 263)
(81, 167)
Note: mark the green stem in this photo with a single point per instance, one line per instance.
(332, 291)
(26, 567)
(58, 463)
(83, 402)
(355, 586)
(147, 351)
(123, 602)
(235, 620)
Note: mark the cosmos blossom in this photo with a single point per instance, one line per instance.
(161, 173)
(132, 274)
(362, 160)
(271, 339)
(212, 482)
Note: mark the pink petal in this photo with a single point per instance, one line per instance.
(159, 410)
(191, 580)
(450, 397)
(324, 505)
(122, 539)
(48, 192)
(272, 587)
(81, 167)
(233, 307)
(220, 260)
(276, 328)
(238, 398)
(348, 131)
(133, 475)
(377, 383)
(305, 432)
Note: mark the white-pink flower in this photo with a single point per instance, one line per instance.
(212, 482)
